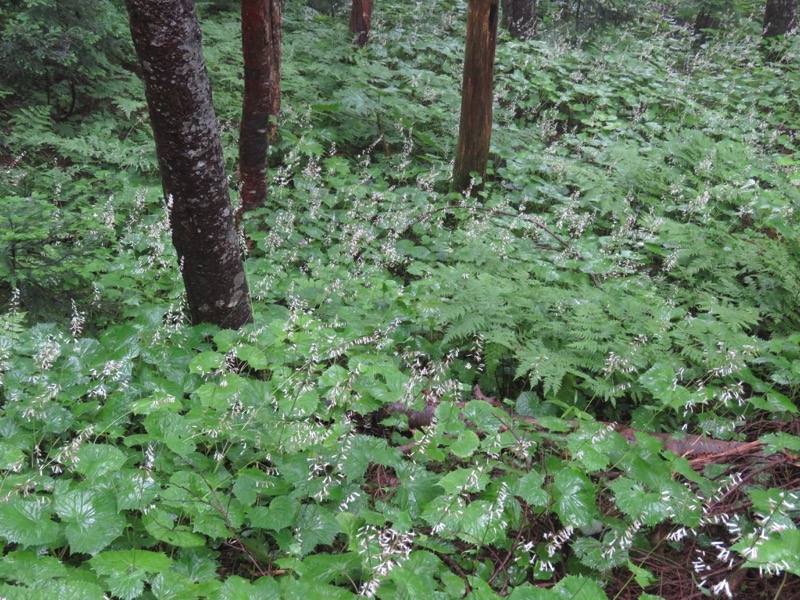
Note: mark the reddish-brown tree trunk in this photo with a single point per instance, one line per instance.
(166, 36)
(361, 20)
(261, 48)
(780, 17)
(475, 129)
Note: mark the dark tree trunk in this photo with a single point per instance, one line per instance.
(703, 23)
(475, 129)
(261, 48)
(519, 18)
(780, 17)
(166, 36)
(361, 20)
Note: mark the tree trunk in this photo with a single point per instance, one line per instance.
(780, 17)
(703, 23)
(166, 36)
(519, 18)
(261, 48)
(475, 129)
(361, 20)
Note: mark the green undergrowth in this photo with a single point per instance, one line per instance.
(627, 277)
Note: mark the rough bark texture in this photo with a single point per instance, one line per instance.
(475, 129)
(261, 48)
(519, 18)
(166, 35)
(361, 20)
(780, 17)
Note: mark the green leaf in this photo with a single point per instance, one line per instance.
(779, 551)
(91, 517)
(574, 495)
(316, 525)
(97, 460)
(169, 585)
(27, 522)
(125, 571)
(528, 592)
(554, 424)
(642, 576)
(236, 588)
(483, 415)
(165, 527)
(159, 400)
(776, 442)
(300, 406)
(252, 356)
(415, 576)
(27, 567)
(774, 402)
(112, 561)
(250, 484)
(466, 444)
(481, 590)
(220, 395)
(11, 458)
(74, 589)
(308, 590)
(207, 362)
(576, 587)
(172, 430)
(478, 526)
(282, 513)
(530, 488)
(329, 107)
(333, 377)
(326, 568)
(464, 480)
(214, 524)
(226, 339)
(660, 380)
(637, 502)
(135, 489)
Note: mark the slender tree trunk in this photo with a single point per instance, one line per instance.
(361, 20)
(780, 17)
(166, 36)
(519, 18)
(261, 48)
(475, 129)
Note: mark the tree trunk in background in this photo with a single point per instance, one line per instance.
(261, 48)
(780, 17)
(475, 129)
(361, 20)
(166, 36)
(704, 22)
(519, 18)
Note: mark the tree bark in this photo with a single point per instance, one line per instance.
(361, 20)
(475, 129)
(166, 36)
(519, 18)
(261, 49)
(780, 17)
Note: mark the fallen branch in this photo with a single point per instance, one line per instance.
(686, 445)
